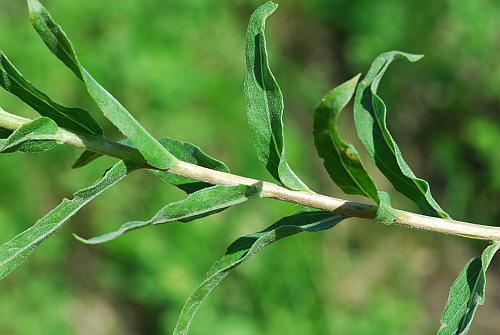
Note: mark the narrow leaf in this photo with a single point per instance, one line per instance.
(197, 205)
(370, 118)
(341, 159)
(59, 44)
(71, 118)
(466, 294)
(385, 213)
(85, 158)
(36, 136)
(247, 246)
(15, 251)
(264, 102)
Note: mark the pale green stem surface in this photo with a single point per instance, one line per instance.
(347, 208)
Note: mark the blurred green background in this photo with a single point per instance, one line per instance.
(178, 66)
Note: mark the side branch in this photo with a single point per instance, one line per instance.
(269, 190)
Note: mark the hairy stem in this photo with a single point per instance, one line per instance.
(347, 208)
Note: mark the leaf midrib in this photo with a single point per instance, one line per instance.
(263, 66)
(390, 145)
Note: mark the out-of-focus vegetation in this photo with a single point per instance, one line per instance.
(179, 63)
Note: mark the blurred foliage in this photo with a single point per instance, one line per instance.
(179, 63)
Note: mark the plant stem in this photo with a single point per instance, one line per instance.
(347, 208)
(94, 143)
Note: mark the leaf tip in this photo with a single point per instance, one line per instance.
(267, 8)
(85, 241)
(273, 4)
(415, 57)
(353, 81)
(34, 7)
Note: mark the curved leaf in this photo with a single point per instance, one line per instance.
(37, 136)
(370, 119)
(197, 205)
(59, 44)
(466, 294)
(341, 159)
(85, 158)
(76, 119)
(15, 251)
(385, 213)
(264, 102)
(247, 246)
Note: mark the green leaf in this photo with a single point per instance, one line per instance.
(264, 102)
(37, 136)
(15, 251)
(196, 205)
(385, 213)
(341, 159)
(59, 44)
(370, 119)
(466, 294)
(75, 119)
(183, 151)
(247, 246)
(85, 158)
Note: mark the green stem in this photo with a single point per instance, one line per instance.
(111, 148)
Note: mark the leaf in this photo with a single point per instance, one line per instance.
(183, 151)
(385, 213)
(264, 102)
(341, 159)
(197, 205)
(370, 119)
(466, 294)
(59, 44)
(75, 119)
(15, 251)
(37, 136)
(247, 246)
(85, 158)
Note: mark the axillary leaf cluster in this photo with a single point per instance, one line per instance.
(167, 159)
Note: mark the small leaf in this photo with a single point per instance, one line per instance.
(466, 294)
(183, 151)
(37, 136)
(264, 102)
(197, 205)
(341, 159)
(59, 44)
(15, 251)
(247, 246)
(370, 119)
(75, 119)
(85, 158)
(385, 213)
